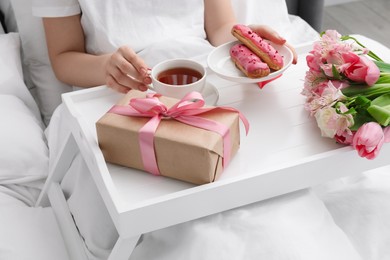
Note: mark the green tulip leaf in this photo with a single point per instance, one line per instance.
(380, 109)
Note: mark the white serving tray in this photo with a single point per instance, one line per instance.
(283, 152)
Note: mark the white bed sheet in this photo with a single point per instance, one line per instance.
(293, 226)
(28, 233)
(360, 206)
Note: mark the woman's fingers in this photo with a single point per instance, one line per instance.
(268, 33)
(113, 83)
(125, 71)
(141, 69)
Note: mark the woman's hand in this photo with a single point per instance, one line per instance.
(125, 70)
(268, 33)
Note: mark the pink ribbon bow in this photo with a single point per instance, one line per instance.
(185, 111)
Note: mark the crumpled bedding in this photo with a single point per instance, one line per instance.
(292, 226)
(360, 206)
(28, 233)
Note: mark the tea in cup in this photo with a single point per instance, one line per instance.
(177, 77)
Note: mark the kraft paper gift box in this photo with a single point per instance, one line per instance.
(182, 151)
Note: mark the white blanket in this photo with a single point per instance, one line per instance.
(293, 226)
(360, 206)
(28, 233)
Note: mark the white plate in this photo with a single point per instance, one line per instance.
(220, 62)
(210, 94)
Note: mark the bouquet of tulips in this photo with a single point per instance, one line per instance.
(347, 89)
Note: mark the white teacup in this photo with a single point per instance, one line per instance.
(177, 77)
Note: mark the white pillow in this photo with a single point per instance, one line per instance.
(11, 75)
(36, 59)
(23, 149)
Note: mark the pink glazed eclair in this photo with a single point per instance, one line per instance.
(258, 45)
(248, 62)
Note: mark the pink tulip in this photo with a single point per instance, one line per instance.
(360, 69)
(368, 140)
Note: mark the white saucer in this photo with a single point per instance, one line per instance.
(220, 62)
(210, 94)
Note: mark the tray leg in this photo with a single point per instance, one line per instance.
(61, 165)
(123, 248)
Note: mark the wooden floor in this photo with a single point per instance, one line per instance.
(370, 18)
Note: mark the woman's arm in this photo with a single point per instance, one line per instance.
(72, 65)
(66, 46)
(219, 20)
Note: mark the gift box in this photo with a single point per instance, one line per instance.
(179, 150)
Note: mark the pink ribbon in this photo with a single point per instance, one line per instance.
(185, 111)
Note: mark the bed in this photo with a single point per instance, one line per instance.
(344, 219)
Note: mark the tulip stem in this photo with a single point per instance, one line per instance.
(370, 53)
(369, 92)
